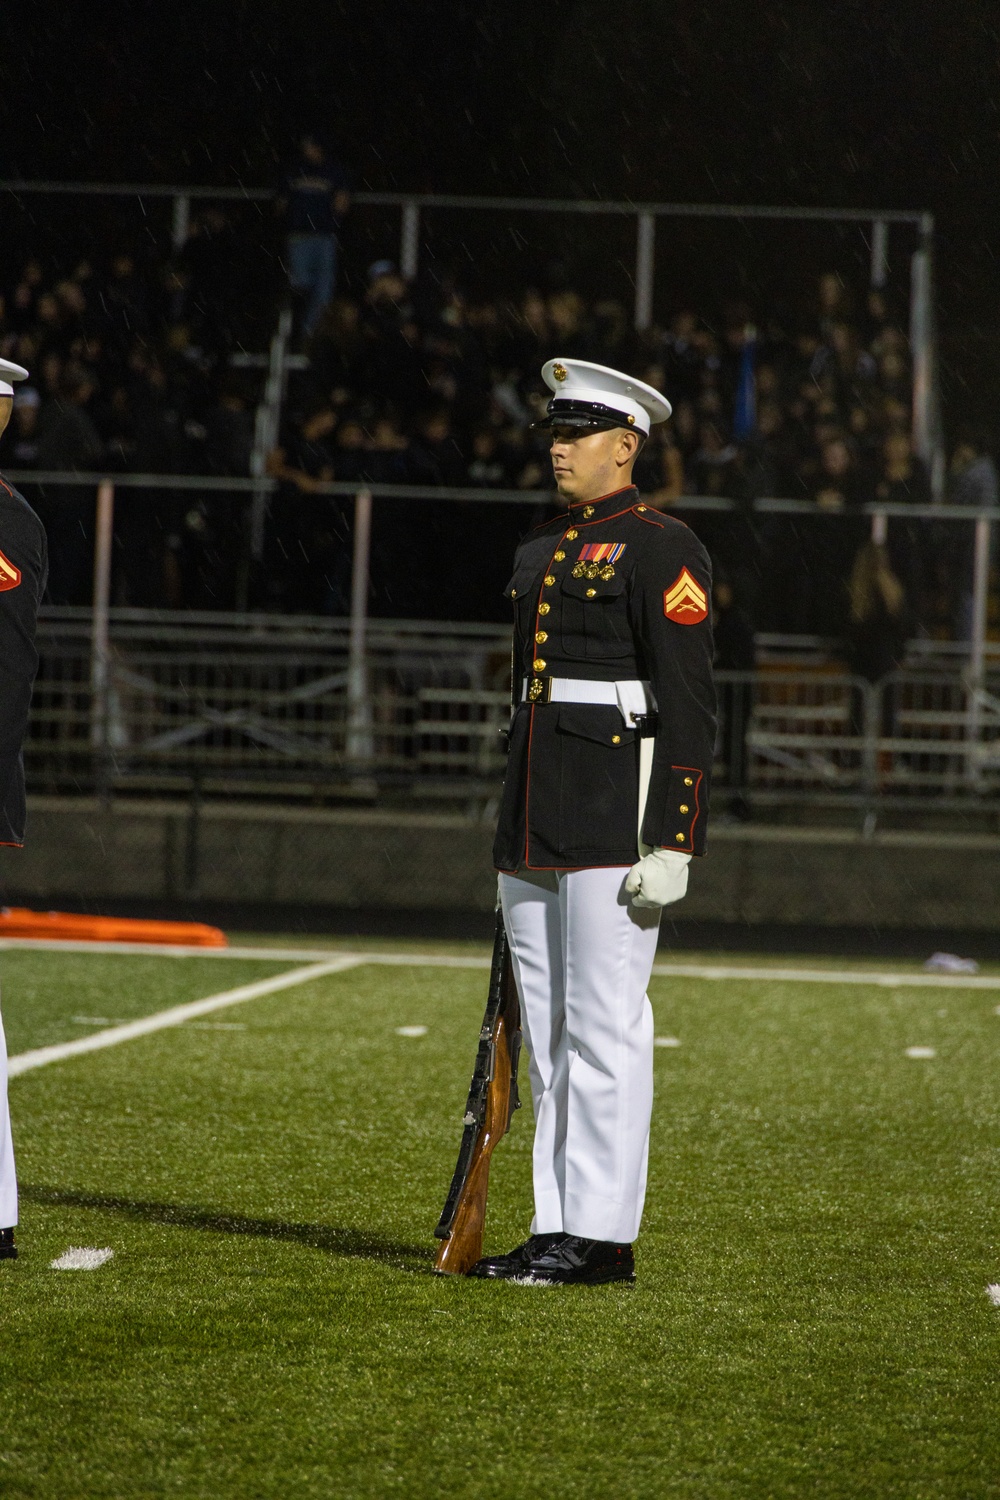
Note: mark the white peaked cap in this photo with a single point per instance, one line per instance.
(10, 371)
(582, 392)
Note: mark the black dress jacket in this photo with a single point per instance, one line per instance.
(23, 570)
(608, 592)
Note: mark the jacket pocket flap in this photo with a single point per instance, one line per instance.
(599, 722)
(593, 588)
(526, 580)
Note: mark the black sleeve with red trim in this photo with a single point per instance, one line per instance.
(672, 597)
(23, 567)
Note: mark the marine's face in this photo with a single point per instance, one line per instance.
(588, 463)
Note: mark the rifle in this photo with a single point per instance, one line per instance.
(492, 1101)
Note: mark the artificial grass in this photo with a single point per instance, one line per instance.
(810, 1316)
(54, 997)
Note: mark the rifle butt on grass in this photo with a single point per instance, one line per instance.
(489, 1109)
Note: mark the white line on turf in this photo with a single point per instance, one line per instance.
(81, 1258)
(920, 1052)
(830, 976)
(411, 1030)
(993, 1292)
(881, 978)
(177, 1014)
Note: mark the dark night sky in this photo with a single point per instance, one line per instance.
(859, 104)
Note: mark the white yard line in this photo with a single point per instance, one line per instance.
(177, 1015)
(878, 977)
(830, 976)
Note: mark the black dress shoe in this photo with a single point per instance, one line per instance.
(515, 1263)
(575, 1261)
(8, 1250)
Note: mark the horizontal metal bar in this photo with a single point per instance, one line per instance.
(497, 204)
(215, 484)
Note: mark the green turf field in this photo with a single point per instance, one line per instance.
(810, 1318)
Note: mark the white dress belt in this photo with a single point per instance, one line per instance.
(631, 696)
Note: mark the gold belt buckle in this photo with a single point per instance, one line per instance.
(535, 690)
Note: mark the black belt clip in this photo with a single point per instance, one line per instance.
(646, 725)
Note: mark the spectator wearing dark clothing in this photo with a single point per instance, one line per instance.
(306, 534)
(879, 614)
(207, 264)
(22, 439)
(68, 440)
(829, 541)
(903, 480)
(315, 198)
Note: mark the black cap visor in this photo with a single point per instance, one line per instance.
(585, 415)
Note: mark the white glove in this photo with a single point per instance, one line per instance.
(659, 878)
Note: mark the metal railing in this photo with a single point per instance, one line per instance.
(261, 706)
(356, 706)
(259, 489)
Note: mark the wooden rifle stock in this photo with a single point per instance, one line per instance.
(491, 1104)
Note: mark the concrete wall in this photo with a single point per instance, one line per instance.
(304, 857)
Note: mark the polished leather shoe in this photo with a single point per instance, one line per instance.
(514, 1264)
(8, 1250)
(579, 1262)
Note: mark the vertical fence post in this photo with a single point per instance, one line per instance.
(409, 242)
(180, 222)
(645, 255)
(266, 431)
(100, 654)
(880, 254)
(975, 677)
(880, 528)
(359, 705)
(927, 441)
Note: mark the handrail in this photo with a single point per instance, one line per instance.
(771, 505)
(462, 200)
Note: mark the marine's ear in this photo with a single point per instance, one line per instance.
(629, 443)
(6, 407)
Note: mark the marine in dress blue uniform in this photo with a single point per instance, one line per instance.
(604, 803)
(23, 569)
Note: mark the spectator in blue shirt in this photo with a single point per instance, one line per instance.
(314, 199)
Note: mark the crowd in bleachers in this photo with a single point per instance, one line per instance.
(425, 384)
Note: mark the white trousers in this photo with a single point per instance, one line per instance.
(582, 956)
(8, 1182)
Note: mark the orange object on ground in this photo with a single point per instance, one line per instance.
(19, 922)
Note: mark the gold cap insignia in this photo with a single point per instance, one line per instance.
(631, 420)
(559, 371)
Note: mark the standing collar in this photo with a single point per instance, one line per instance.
(587, 511)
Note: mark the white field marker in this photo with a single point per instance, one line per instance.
(411, 1030)
(921, 1052)
(993, 1292)
(723, 972)
(666, 1041)
(177, 1015)
(81, 1258)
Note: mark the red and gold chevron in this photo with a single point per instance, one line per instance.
(685, 601)
(10, 576)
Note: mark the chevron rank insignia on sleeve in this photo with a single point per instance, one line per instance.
(685, 601)
(10, 576)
